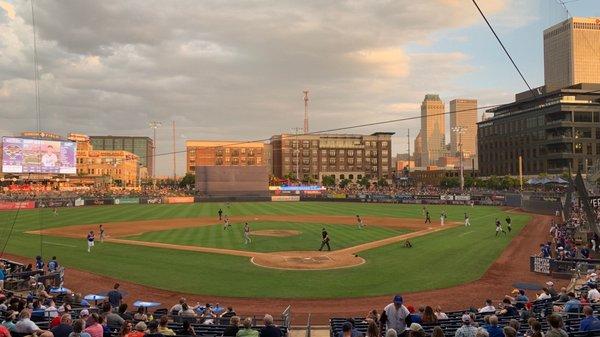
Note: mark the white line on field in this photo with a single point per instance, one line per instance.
(58, 244)
(465, 233)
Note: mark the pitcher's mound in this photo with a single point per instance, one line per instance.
(276, 232)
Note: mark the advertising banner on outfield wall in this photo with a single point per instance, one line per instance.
(147, 200)
(179, 200)
(285, 198)
(126, 200)
(462, 197)
(595, 201)
(12, 205)
(51, 203)
(99, 201)
(79, 202)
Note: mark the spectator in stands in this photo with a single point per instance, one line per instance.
(52, 265)
(177, 307)
(521, 299)
(592, 278)
(163, 326)
(140, 315)
(140, 330)
(413, 317)
(416, 330)
(437, 332)
(125, 329)
(396, 315)
(551, 290)
(186, 311)
(233, 327)
(513, 323)
(4, 331)
(439, 313)
(247, 331)
(84, 315)
(112, 319)
(428, 316)
(93, 326)
(9, 320)
(269, 330)
(508, 309)
(545, 295)
(590, 322)
(39, 263)
(63, 309)
(492, 328)
(115, 298)
(2, 275)
(466, 330)
(228, 313)
(122, 311)
(481, 332)
(593, 294)
(374, 315)
(153, 330)
(25, 325)
(488, 308)
(187, 329)
(535, 329)
(51, 310)
(208, 314)
(78, 329)
(563, 296)
(372, 328)
(509, 331)
(556, 324)
(585, 252)
(391, 333)
(573, 305)
(64, 329)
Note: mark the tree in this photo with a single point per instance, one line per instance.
(450, 182)
(344, 182)
(328, 181)
(188, 180)
(382, 182)
(364, 182)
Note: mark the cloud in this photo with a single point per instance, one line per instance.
(232, 70)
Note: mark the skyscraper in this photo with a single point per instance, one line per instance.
(433, 130)
(466, 118)
(571, 53)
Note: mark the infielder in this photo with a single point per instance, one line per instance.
(102, 236)
(442, 218)
(90, 241)
(359, 222)
(226, 223)
(247, 239)
(509, 223)
(427, 217)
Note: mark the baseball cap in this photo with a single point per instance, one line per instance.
(415, 327)
(84, 312)
(550, 283)
(398, 299)
(61, 309)
(594, 275)
(141, 326)
(466, 318)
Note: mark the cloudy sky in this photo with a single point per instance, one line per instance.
(236, 69)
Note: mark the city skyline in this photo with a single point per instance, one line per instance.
(212, 65)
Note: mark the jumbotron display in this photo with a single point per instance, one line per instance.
(23, 155)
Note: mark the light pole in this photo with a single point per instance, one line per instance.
(154, 125)
(460, 130)
(297, 152)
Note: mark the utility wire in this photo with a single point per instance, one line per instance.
(504, 48)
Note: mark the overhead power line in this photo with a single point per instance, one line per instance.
(504, 48)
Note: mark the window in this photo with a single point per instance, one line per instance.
(305, 161)
(332, 153)
(583, 116)
(332, 161)
(578, 148)
(323, 160)
(350, 160)
(350, 153)
(351, 176)
(323, 152)
(342, 152)
(384, 144)
(305, 144)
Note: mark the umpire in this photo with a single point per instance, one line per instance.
(325, 240)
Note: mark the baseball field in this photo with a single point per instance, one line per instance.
(185, 248)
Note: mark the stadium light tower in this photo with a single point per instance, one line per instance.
(154, 125)
(460, 130)
(297, 152)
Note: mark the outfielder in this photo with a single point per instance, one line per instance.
(499, 228)
(467, 222)
(247, 239)
(359, 222)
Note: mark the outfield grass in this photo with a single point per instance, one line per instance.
(309, 238)
(438, 260)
